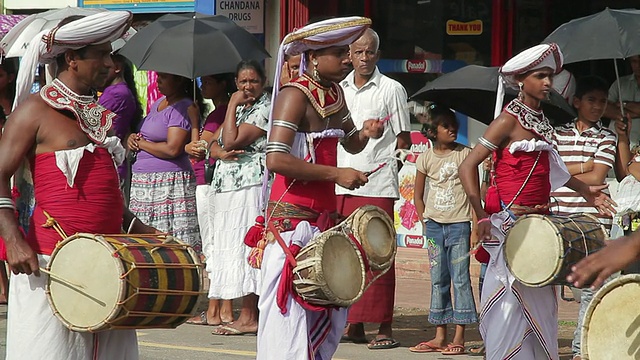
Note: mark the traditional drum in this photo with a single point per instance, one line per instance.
(611, 327)
(329, 271)
(104, 282)
(374, 230)
(540, 249)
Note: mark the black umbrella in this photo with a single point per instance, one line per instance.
(472, 90)
(192, 45)
(609, 34)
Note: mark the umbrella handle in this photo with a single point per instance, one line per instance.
(615, 66)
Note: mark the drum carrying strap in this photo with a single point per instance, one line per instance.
(524, 183)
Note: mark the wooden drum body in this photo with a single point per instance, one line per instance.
(611, 327)
(329, 271)
(104, 282)
(540, 249)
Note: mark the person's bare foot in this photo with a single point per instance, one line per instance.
(355, 333)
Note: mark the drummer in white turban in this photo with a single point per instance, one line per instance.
(64, 135)
(516, 321)
(307, 121)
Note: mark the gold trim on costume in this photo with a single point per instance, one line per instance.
(301, 35)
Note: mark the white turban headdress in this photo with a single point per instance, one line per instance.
(99, 28)
(534, 58)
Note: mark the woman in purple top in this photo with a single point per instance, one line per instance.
(163, 187)
(121, 97)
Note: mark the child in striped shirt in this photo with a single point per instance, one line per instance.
(588, 149)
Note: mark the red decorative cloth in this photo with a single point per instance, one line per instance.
(511, 171)
(93, 205)
(319, 196)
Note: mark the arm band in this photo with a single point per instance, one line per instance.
(488, 144)
(346, 117)
(285, 124)
(276, 146)
(7, 203)
(348, 135)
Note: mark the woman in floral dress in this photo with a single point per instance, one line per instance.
(235, 195)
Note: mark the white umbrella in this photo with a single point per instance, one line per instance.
(17, 39)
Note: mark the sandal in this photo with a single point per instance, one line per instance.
(383, 343)
(200, 320)
(425, 347)
(453, 349)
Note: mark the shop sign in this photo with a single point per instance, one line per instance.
(464, 28)
(131, 2)
(247, 13)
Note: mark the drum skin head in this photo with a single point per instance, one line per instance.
(533, 250)
(373, 228)
(341, 268)
(611, 328)
(91, 265)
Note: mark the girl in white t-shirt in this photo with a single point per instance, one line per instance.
(446, 212)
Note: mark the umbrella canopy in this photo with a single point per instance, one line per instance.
(15, 43)
(472, 90)
(192, 45)
(609, 34)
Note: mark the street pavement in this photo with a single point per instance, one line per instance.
(195, 342)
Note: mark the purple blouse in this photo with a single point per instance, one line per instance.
(212, 123)
(155, 128)
(119, 99)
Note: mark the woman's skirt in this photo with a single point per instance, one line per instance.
(167, 201)
(233, 213)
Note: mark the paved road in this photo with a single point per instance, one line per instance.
(195, 342)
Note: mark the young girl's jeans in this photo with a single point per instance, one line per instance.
(448, 254)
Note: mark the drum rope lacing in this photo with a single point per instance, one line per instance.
(584, 237)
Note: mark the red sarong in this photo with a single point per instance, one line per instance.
(376, 304)
(93, 205)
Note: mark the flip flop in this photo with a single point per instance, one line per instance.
(476, 351)
(425, 347)
(201, 321)
(383, 343)
(453, 349)
(225, 330)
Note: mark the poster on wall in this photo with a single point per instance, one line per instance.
(408, 226)
(249, 14)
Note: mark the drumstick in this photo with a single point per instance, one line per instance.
(465, 256)
(369, 173)
(61, 279)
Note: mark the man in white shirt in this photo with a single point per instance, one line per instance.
(371, 95)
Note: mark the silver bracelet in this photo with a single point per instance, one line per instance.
(7, 203)
(131, 224)
(488, 144)
(347, 117)
(348, 135)
(276, 146)
(285, 124)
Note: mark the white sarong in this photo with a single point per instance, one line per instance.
(292, 335)
(516, 322)
(33, 332)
